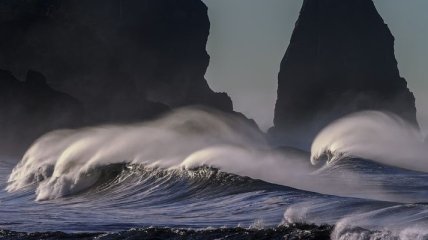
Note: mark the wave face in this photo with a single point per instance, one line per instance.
(200, 173)
(66, 162)
(378, 136)
(126, 196)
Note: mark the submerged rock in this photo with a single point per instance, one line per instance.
(340, 60)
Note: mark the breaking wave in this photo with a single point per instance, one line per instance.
(64, 162)
(195, 171)
(358, 220)
(377, 136)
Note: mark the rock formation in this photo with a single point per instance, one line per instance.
(30, 108)
(340, 60)
(115, 56)
(125, 61)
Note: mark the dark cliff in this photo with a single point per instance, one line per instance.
(340, 60)
(30, 108)
(124, 61)
(115, 56)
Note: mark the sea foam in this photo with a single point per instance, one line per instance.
(378, 136)
(66, 161)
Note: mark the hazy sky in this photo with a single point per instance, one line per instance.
(249, 38)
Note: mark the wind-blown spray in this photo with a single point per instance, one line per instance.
(68, 161)
(378, 136)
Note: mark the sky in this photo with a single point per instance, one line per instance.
(248, 40)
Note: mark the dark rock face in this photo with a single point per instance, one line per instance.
(115, 56)
(340, 60)
(31, 108)
(125, 61)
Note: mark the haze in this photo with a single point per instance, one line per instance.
(249, 38)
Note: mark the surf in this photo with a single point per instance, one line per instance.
(378, 136)
(64, 162)
(198, 163)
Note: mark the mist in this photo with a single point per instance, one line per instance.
(65, 162)
(126, 111)
(248, 39)
(373, 135)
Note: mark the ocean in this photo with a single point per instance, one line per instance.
(198, 174)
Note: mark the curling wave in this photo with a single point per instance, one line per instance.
(65, 162)
(197, 168)
(378, 136)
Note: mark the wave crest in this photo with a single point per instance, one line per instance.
(68, 161)
(373, 135)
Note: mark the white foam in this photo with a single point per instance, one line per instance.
(373, 135)
(65, 162)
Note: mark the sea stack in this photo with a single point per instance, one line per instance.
(109, 61)
(117, 57)
(340, 60)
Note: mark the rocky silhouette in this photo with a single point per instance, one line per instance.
(115, 56)
(124, 61)
(340, 60)
(30, 108)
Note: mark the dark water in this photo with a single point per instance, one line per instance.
(284, 232)
(206, 203)
(199, 175)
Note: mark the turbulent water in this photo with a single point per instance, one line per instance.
(199, 174)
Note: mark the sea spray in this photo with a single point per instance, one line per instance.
(68, 161)
(200, 168)
(362, 219)
(373, 135)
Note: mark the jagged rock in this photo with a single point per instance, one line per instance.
(115, 56)
(31, 108)
(340, 60)
(125, 61)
